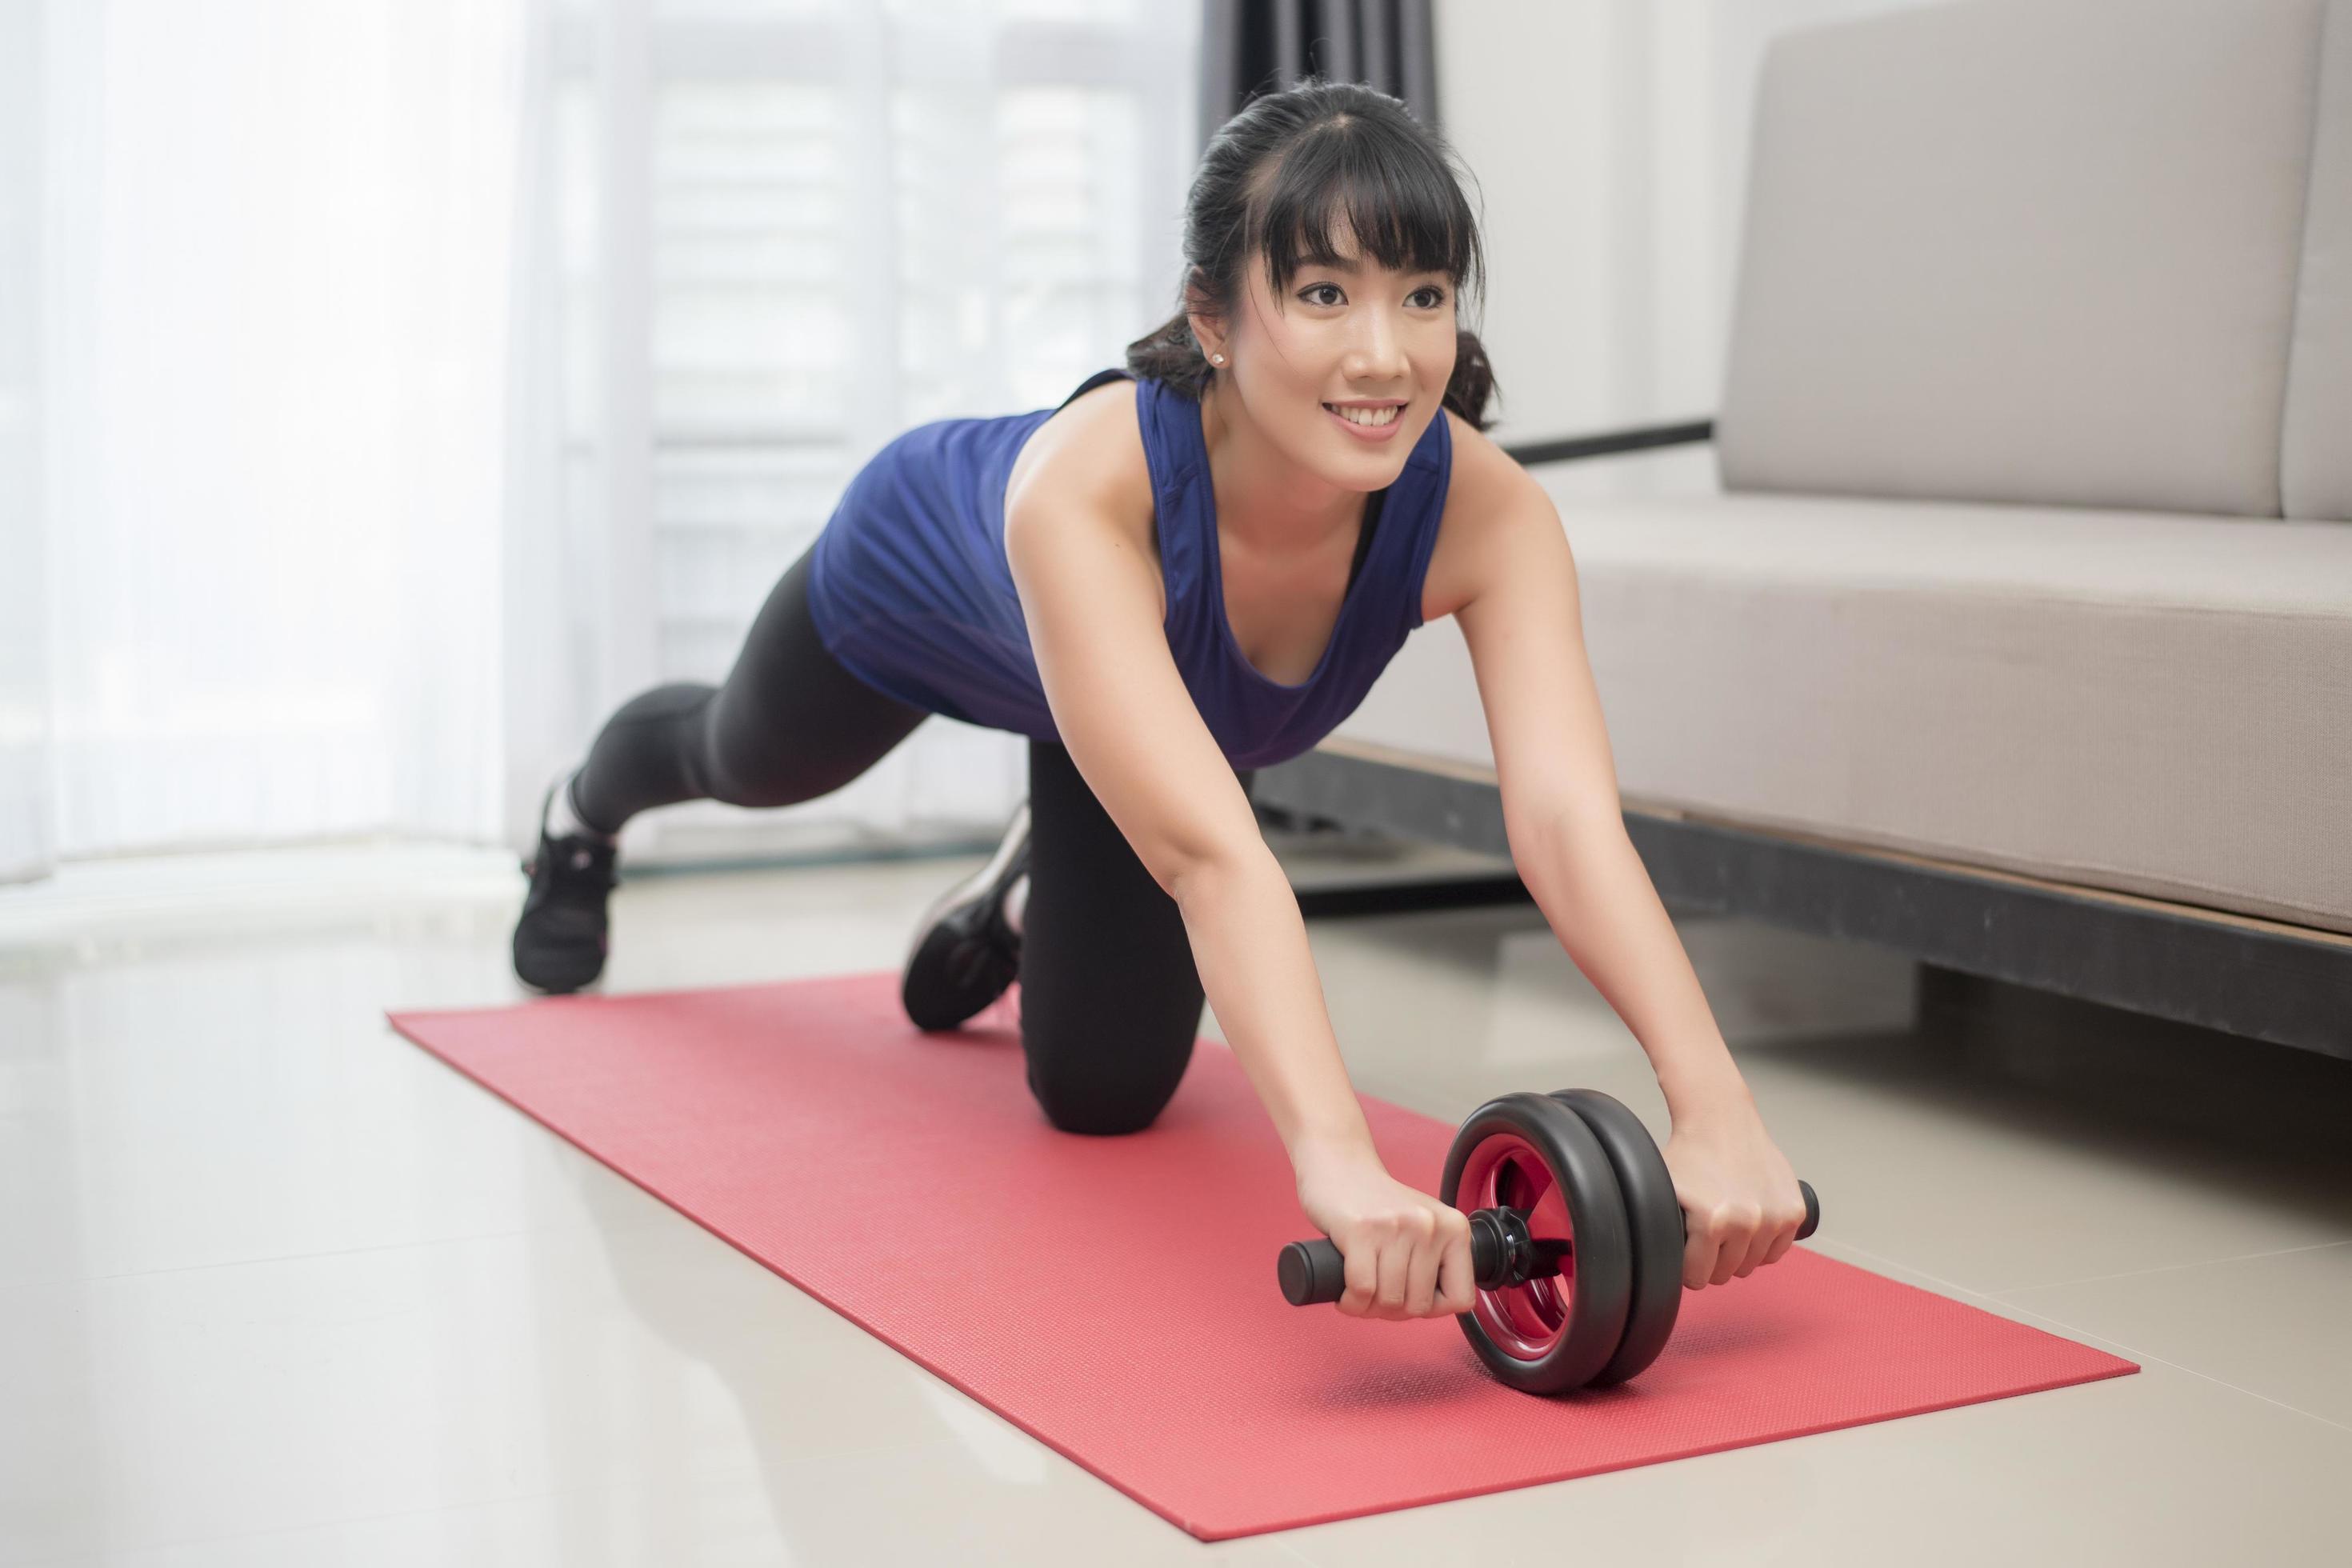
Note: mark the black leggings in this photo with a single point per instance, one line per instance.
(1110, 999)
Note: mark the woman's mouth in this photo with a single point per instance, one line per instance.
(1368, 423)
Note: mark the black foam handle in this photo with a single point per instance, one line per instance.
(1312, 1272)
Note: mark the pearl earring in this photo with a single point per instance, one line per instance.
(1216, 359)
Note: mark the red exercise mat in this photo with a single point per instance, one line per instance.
(1115, 1298)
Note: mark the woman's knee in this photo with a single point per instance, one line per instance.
(1086, 1092)
(1099, 1116)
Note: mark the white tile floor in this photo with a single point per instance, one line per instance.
(280, 1289)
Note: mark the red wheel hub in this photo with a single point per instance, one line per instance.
(1506, 1172)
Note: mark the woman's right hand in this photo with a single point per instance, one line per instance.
(1407, 1254)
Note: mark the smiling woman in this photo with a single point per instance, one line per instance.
(1195, 566)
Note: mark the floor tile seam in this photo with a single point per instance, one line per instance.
(2144, 1357)
(213, 925)
(535, 1495)
(2151, 1357)
(176, 1543)
(2092, 1333)
(71, 1560)
(2005, 1292)
(74, 1282)
(2167, 1362)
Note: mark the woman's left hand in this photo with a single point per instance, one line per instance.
(1737, 1192)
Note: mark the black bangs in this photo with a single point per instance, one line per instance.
(1357, 175)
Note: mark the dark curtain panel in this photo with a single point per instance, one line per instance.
(1254, 47)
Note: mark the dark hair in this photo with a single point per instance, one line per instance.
(1273, 182)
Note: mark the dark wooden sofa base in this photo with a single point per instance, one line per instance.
(2288, 985)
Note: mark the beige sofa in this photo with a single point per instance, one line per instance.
(2033, 553)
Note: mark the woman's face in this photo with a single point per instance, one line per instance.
(1359, 335)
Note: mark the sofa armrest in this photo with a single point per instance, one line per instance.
(1568, 450)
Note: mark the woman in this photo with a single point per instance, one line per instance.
(1192, 568)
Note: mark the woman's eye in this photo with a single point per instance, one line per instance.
(1312, 294)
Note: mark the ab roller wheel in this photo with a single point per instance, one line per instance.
(1552, 1317)
(1576, 1240)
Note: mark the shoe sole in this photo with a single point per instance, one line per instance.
(957, 962)
(984, 886)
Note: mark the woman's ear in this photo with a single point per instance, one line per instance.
(1208, 326)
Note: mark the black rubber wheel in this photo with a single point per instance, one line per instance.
(1531, 1154)
(1654, 1218)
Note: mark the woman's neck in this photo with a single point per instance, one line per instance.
(1262, 496)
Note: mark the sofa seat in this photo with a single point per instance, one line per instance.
(2150, 702)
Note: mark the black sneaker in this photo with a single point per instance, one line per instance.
(560, 942)
(964, 955)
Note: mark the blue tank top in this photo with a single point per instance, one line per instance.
(910, 590)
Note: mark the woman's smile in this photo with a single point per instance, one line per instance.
(1368, 423)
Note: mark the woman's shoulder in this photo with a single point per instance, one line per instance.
(1481, 477)
(1089, 453)
(1487, 491)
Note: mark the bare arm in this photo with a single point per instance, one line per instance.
(1122, 709)
(1568, 835)
(1560, 798)
(1561, 806)
(1121, 706)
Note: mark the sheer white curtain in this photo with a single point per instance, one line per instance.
(27, 818)
(269, 247)
(766, 238)
(389, 389)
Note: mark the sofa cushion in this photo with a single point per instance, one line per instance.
(2150, 703)
(2041, 251)
(2316, 466)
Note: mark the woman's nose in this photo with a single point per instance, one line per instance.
(1378, 349)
